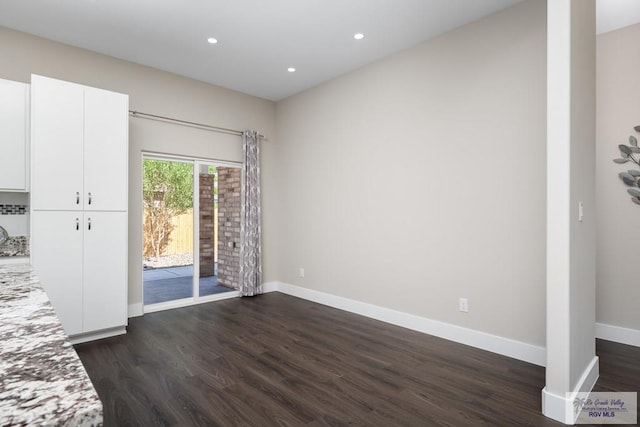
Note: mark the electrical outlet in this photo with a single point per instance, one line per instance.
(464, 305)
(301, 272)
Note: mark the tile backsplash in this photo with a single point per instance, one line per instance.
(13, 209)
(14, 213)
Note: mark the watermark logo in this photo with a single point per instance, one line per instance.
(606, 408)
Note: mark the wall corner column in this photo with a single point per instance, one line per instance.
(572, 365)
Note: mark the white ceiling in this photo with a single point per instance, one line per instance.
(258, 39)
(614, 14)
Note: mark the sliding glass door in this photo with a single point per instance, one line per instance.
(191, 231)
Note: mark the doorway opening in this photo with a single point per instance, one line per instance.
(191, 231)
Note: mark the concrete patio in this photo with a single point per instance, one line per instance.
(172, 283)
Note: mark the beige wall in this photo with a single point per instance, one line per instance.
(155, 92)
(581, 307)
(421, 179)
(618, 248)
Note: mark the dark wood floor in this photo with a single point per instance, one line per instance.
(279, 360)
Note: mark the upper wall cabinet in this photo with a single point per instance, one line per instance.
(14, 136)
(79, 147)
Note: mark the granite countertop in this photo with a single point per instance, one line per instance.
(42, 380)
(17, 246)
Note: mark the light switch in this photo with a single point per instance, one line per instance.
(580, 211)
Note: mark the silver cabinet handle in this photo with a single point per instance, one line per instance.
(89, 224)
(89, 198)
(77, 197)
(77, 224)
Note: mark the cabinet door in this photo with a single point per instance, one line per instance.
(14, 119)
(57, 111)
(105, 270)
(106, 124)
(56, 255)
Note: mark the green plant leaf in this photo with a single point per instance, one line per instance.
(621, 161)
(634, 172)
(635, 150)
(637, 128)
(624, 149)
(633, 141)
(635, 200)
(634, 192)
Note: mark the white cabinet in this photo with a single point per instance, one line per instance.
(81, 262)
(14, 135)
(58, 252)
(104, 270)
(79, 190)
(57, 135)
(79, 159)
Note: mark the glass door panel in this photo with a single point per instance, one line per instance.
(209, 282)
(167, 230)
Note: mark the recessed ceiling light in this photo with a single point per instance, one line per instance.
(212, 40)
(291, 70)
(358, 36)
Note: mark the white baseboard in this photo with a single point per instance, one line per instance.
(560, 406)
(269, 287)
(496, 344)
(618, 334)
(135, 310)
(92, 336)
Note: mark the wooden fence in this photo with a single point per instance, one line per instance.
(181, 237)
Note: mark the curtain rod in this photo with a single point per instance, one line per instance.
(135, 113)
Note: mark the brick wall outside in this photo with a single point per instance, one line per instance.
(229, 226)
(207, 226)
